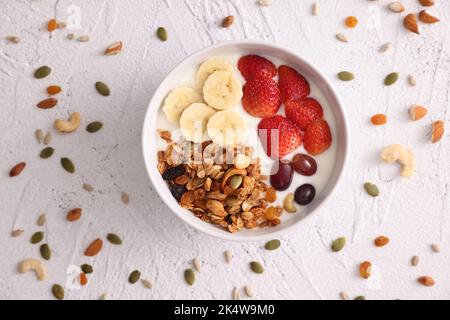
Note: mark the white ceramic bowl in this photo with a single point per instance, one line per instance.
(292, 59)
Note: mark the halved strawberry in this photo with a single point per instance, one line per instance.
(293, 85)
(279, 136)
(302, 113)
(317, 138)
(262, 97)
(253, 66)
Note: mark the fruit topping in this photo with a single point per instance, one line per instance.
(303, 112)
(305, 194)
(293, 85)
(282, 176)
(262, 97)
(222, 90)
(174, 172)
(304, 165)
(253, 66)
(317, 138)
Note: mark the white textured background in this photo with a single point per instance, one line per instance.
(413, 213)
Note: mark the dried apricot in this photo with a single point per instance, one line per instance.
(52, 25)
(379, 119)
(271, 195)
(52, 90)
(271, 213)
(351, 21)
(365, 269)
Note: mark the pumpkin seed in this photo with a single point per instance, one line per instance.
(16, 233)
(94, 127)
(47, 153)
(147, 284)
(46, 253)
(273, 245)
(68, 165)
(134, 277)
(256, 267)
(114, 239)
(235, 182)
(338, 244)
(39, 135)
(58, 291)
(372, 189)
(346, 76)
(42, 72)
(391, 79)
(87, 268)
(162, 34)
(37, 237)
(48, 138)
(360, 298)
(189, 276)
(102, 88)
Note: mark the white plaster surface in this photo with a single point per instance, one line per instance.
(413, 213)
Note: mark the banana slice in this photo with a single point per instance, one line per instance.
(227, 128)
(194, 120)
(208, 68)
(222, 90)
(178, 100)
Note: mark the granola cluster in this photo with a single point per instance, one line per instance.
(230, 195)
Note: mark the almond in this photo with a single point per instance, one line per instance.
(426, 3)
(437, 131)
(410, 23)
(17, 169)
(425, 17)
(417, 112)
(228, 22)
(114, 49)
(74, 215)
(426, 281)
(396, 7)
(94, 248)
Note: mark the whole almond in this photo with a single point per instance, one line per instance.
(426, 281)
(114, 49)
(425, 17)
(437, 131)
(417, 112)
(426, 3)
(17, 169)
(396, 7)
(410, 23)
(94, 248)
(47, 103)
(228, 22)
(74, 215)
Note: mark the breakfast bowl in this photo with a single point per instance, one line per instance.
(331, 164)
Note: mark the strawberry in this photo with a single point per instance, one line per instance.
(293, 85)
(262, 97)
(302, 113)
(253, 66)
(317, 138)
(289, 136)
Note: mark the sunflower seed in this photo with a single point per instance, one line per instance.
(147, 284)
(372, 189)
(103, 297)
(134, 276)
(37, 237)
(249, 291)
(272, 245)
(125, 198)
(88, 187)
(228, 256)
(197, 265)
(114, 239)
(415, 261)
(162, 34)
(47, 153)
(46, 253)
(341, 37)
(256, 267)
(42, 72)
(102, 88)
(338, 244)
(39, 135)
(412, 80)
(236, 294)
(16, 233)
(343, 295)
(13, 39)
(58, 291)
(391, 79)
(41, 220)
(68, 165)
(435, 247)
(87, 268)
(48, 138)
(385, 47)
(189, 276)
(84, 38)
(94, 127)
(346, 76)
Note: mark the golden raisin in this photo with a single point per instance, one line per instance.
(83, 279)
(365, 269)
(52, 90)
(52, 25)
(271, 213)
(379, 119)
(271, 195)
(351, 22)
(381, 241)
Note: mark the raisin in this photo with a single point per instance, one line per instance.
(177, 191)
(172, 173)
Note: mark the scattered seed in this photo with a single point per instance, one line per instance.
(39, 135)
(94, 248)
(134, 276)
(381, 241)
(365, 269)
(227, 22)
(87, 268)
(315, 9)
(435, 247)
(236, 182)
(228, 256)
(88, 187)
(103, 297)
(125, 198)
(391, 79)
(338, 244)
(415, 261)
(94, 127)
(74, 215)
(114, 239)
(147, 284)
(385, 47)
(58, 291)
(46, 253)
(47, 153)
(396, 7)
(37, 237)
(371, 189)
(256, 267)
(265, 3)
(53, 90)
(102, 88)
(343, 295)
(16, 233)
(62, 25)
(341, 37)
(42, 72)
(17, 169)
(70, 36)
(412, 80)
(189, 276)
(426, 281)
(197, 265)
(272, 245)
(41, 220)
(13, 39)
(47, 103)
(236, 294)
(114, 49)
(84, 38)
(162, 34)
(249, 291)
(68, 165)
(48, 138)
(360, 298)
(346, 76)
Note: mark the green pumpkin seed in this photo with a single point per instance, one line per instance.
(338, 244)
(235, 182)
(87, 268)
(42, 72)
(58, 291)
(68, 165)
(134, 277)
(372, 189)
(256, 267)
(273, 245)
(46, 253)
(102, 88)
(360, 298)
(189, 276)
(94, 127)
(346, 76)
(162, 34)
(37, 237)
(391, 79)
(47, 153)
(114, 239)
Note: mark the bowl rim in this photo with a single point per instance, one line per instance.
(163, 194)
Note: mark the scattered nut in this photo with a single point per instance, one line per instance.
(236, 295)
(412, 80)
(415, 261)
(398, 153)
(396, 7)
(435, 247)
(426, 3)
(288, 203)
(341, 37)
(417, 112)
(16, 233)
(114, 49)
(37, 266)
(315, 9)
(227, 22)
(410, 23)
(265, 3)
(13, 39)
(426, 281)
(249, 291)
(425, 17)
(437, 131)
(68, 126)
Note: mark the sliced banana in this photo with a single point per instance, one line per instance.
(178, 100)
(194, 120)
(227, 128)
(208, 68)
(222, 90)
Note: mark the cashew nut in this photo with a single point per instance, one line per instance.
(288, 203)
(398, 153)
(37, 266)
(68, 126)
